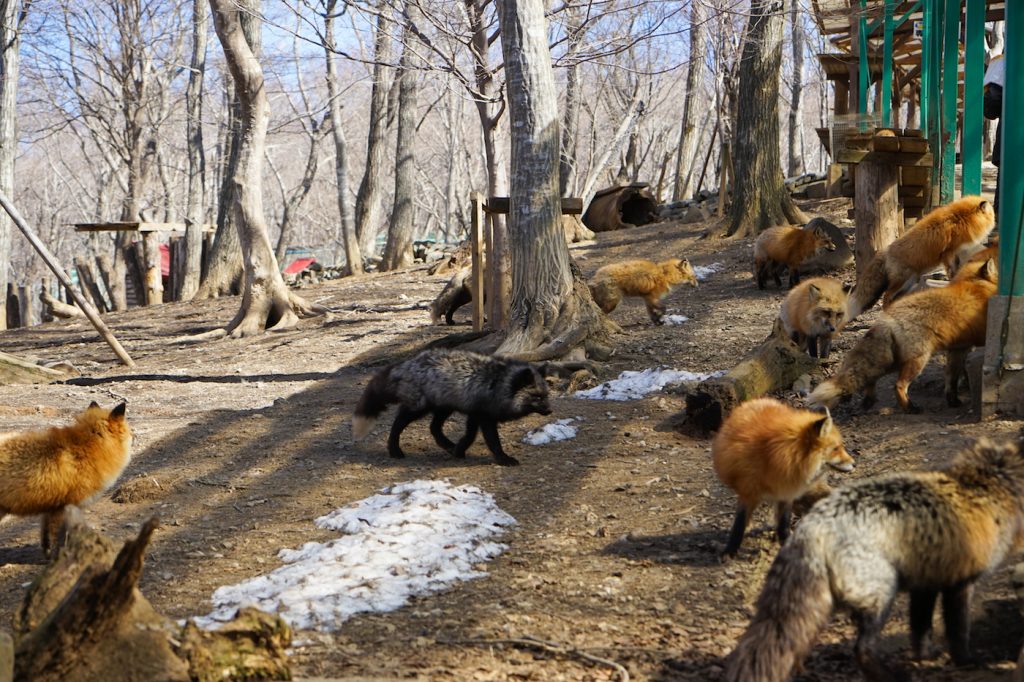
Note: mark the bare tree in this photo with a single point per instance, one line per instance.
(552, 312)
(12, 18)
(760, 199)
(195, 213)
(686, 159)
(266, 300)
(796, 91)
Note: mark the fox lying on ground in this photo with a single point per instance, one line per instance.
(643, 278)
(41, 472)
(937, 239)
(786, 246)
(813, 312)
(768, 451)
(487, 389)
(924, 532)
(912, 329)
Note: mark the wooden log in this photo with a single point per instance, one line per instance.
(476, 282)
(771, 366)
(84, 619)
(88, 286)
(27, 305)
(876, 203)
(152, 270)
(13, 307)
(59, 309)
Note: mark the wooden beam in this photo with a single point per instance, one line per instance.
(570, 205)
(476, 283)
(129, 226)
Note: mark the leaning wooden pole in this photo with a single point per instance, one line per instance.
(58, 271)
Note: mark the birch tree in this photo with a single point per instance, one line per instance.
(796, 90)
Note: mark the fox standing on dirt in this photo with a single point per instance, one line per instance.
(937, 239)
(41, 472)
(925, 532)
(487, 389)
(786, 246)
(950, 318)
(813, 312)
(643, 278)
(768, 451)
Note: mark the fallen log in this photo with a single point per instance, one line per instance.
(773, 365)
(14, 370)
(85, 619)
(59, 308)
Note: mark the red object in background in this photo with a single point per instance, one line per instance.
(298, 265)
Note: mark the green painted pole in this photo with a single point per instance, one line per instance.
(1011, 170)
(890, 6)
(863, 72)
(950, 84)
(974, 74)
(926, 66)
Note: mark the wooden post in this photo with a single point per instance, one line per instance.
(58, 271)
(87, 283)
(476, 250)
(724, 176)
(152, 275)
(877, 205)
(13, 309)
(26, 305)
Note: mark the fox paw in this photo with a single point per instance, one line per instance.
(507, 461)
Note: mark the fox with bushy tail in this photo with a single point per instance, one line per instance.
(441, 382)
(926, 532)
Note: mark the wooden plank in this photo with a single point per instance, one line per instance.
(912, 132)
(915, 202)
(885, 143)
(128, 226)
(891, 158)
(915, 176)
(913, 145)
(570, 205)
(476, 282)
(911, 191)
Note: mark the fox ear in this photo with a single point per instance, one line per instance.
(988, 270)
(814, 292)
(522, 378)
(847, 288)
(983, 206)
(93, 404)
(824, 425)
(118, 412)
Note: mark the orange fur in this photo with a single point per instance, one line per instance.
(41, 472)
(789, 247)
(652, 281)
(939, 238)
(813, 312)
(767, 451)
(951, 318)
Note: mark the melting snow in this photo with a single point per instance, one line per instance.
(635, 385)
(704, 271)
(549, 433)
(411, 539)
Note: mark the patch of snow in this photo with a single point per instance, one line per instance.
(671, 320)
(704, 271)
(549, 433)
(411, 539)
(635, 385)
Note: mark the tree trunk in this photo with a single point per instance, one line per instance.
(686, 159)
(568, 160)
(195, 214)
(796, 93)
(12, 14)
(266, 301)
(552, 312)
(353, 257)
(398, 250)
(368, 198)
(760, 199)
(224, 262)
(293, 203)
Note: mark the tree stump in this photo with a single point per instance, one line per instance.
(84, 619)
(876, 203)
(773, 365)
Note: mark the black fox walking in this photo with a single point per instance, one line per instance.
(486, 389)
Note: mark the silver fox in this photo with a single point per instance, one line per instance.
(441, 382)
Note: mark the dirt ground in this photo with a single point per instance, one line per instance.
(244, 442)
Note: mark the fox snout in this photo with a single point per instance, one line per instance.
(846, 465)
(544, 410)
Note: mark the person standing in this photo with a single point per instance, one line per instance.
(993, 109)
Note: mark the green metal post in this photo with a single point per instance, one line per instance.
(926, 66)
(974, 73)
(950, 84)
(890, 6)
(934, 91)
(1011, 170)
(864, 72)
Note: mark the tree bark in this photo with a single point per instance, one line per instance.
(195, 213)
(353, 257)
(266, 301)
(552, 312)
(12, 14)
(760, 199)
(796, 92)
(368, 198)
(686, 159)
(568, 160)
(398, 249)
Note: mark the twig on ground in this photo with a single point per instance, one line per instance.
(528, 641)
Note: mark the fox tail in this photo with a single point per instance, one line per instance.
(375, 399)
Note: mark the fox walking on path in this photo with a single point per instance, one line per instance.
(41, 472)
(652, 281)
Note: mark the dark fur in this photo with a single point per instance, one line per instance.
(927, 532)
(456, 293)
(486, 389)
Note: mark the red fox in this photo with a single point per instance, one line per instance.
(769, 451)
(924, 532)
(786, 246)
(904, 339)
(813, 312)
(935, 240)
(643, 278)
(41, 472)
